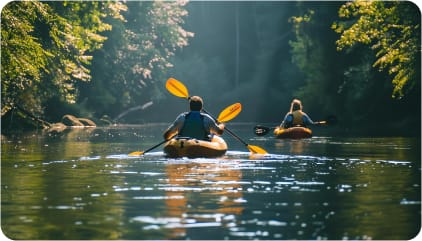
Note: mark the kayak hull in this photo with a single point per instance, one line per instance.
(296, 132)
(192, 148)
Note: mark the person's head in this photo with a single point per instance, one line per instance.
(195, 103)
(296, 105)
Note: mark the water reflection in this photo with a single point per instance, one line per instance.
(199, 193)
(83, 185)
(77, 142)
(294, 147)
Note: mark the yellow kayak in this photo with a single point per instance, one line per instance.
(296, 132)
(192, 148)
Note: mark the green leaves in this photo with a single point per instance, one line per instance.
(136, 54)
(392, 29)
(46, 47)
(51, 49)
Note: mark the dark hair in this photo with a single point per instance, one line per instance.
(195, 103)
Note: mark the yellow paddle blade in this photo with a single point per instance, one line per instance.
(177, 88)
(136, 153)
(256, 149)
(230, 113)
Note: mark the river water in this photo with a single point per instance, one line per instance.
(82, 185)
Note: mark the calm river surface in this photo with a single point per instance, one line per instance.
(82, 185)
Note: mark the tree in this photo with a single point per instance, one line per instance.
(130, 69)
(392, 29)
(313, 52)
(46, 49)
(23, 58)
(345, 82)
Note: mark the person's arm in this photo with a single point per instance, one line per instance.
(307, 120)
(175, 127)
(288, 118)
(212, 126)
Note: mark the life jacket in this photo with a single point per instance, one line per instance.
(193, 126)
(297, 118)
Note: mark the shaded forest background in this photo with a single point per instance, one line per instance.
(109, 61)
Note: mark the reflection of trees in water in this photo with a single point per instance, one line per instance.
(211, 189)
(52, 194)
(77, 142)
(292, 146)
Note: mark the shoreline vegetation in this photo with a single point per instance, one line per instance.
(106, 62)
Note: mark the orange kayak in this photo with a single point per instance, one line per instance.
(296, 132)
(192, 148)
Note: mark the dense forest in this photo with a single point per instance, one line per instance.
(109, 61)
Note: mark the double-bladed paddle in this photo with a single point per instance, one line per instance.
(261, 130)
(178, 89)
(226, 115)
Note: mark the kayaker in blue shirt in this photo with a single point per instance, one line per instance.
(296, 117)
(194, 124)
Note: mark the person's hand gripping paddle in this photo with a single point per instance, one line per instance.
(261, 130)
(178, 89)
(226, 115)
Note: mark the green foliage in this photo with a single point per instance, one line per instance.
(133, 62)
(303, 43)
(46, 49)
(24, 60)
(346, 82)
(392, 29)
(108, 58)
(312, 52)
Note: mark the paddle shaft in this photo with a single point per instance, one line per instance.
(227, 114)
(139, 153)
(263, 130)
(178, 89)
(228, 130)
(235, 136)
(159, 144)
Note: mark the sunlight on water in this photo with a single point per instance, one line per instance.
(312, 189)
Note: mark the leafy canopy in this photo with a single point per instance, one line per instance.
(392, 29)
(46, 47)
